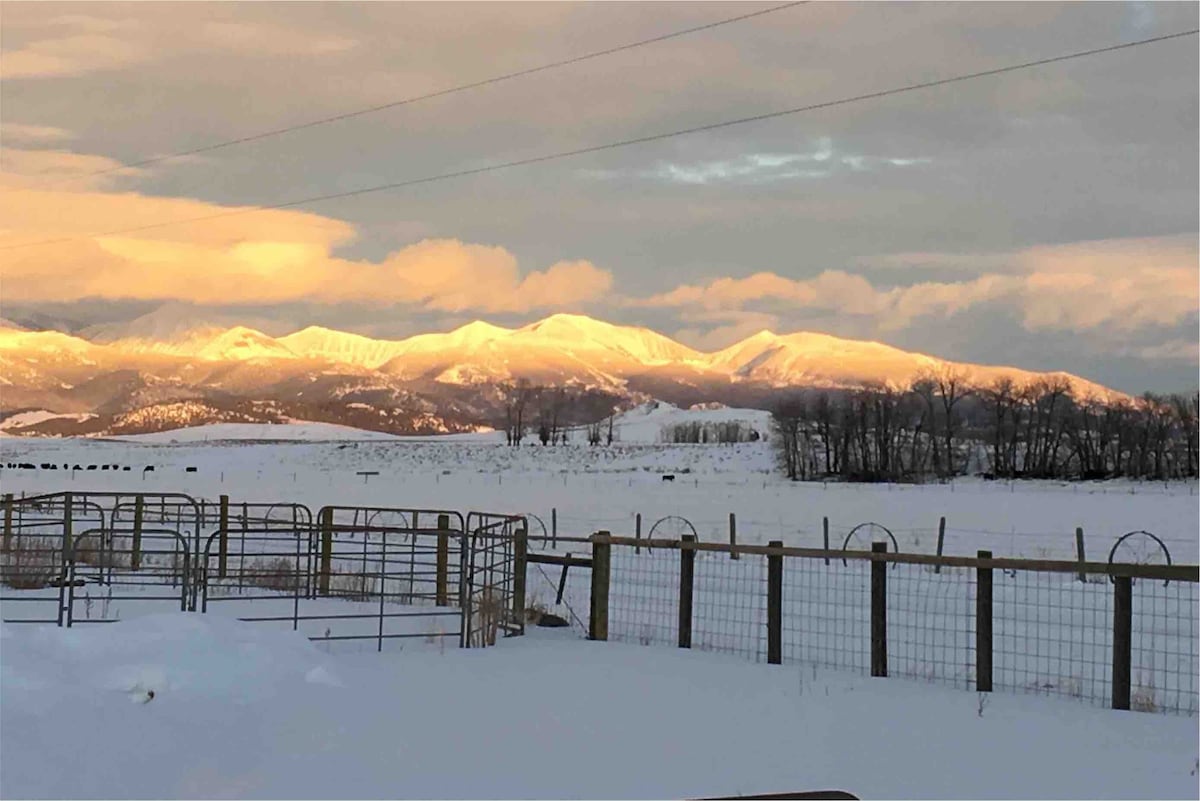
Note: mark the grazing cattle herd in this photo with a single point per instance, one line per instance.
(68, 466)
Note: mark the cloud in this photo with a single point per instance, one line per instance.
(719, 329)
(1118, 285)
(11, 132)
(21, 168)
(270, 40)
(268, 257)
(87, 49)
(78, 44)
(1175, 350)
(820, 160)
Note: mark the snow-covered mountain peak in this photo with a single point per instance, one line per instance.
(477, 333)
(243, 344)
(560, 349)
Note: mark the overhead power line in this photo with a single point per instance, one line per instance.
(563, 154)
(430, 95)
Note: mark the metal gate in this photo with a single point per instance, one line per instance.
(347, 573)
(494, 578)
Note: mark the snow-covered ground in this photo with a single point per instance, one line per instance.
(250, 432)
(605, 488)
(254, 710)
(239, 710)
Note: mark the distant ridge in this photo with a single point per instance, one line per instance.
(560, 349)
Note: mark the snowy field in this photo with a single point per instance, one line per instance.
(605, 488)
(256, 710)
(242, 711)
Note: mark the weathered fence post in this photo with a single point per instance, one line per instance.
(326, 550)
(687, 576)
(941, 541)
(1079, 553)
(637, 532)
(442, 593)
(8, 528)
(554, 528)
(879, 611)
(825, 529)
(983, 625)
(598, 616)
(223, 537)
(520, 549)
(68, 531)
(733, 554)
(1122, 658)
(139, 510)
(775, 605)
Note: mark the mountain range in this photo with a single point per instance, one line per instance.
(167, 368)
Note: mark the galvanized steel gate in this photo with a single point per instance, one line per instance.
(397, 572)
(494, 572)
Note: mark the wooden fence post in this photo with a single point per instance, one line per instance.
(598, 617)
(8, 528)
(1079, 552)
(223, 537)
(775, 605)
(825, 529)
(879, 660)
(68, 529)
(637, 531)
(554, 528)
(326, 567)
(687, 577)
(941, 541)
(520, 549)
(442, 593)
(1122, 658)
(983, 626)
(139, 510)
(733, 554)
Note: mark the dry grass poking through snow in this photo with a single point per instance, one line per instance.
(29, 562)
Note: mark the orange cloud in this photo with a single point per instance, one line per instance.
(1124, 285)
(270, 256)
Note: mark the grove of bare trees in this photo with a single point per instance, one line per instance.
(940, 426)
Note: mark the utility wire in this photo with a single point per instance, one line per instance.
(438, 93)
(563, 154)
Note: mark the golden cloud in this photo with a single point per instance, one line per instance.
(270, 256)
(1124, 284)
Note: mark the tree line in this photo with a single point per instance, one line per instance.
(941, 426)
(553, 413)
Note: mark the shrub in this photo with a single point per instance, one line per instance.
(30, 562)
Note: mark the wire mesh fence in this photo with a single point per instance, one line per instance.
(643, 599)
(1034, 627)
(1165, 667)
(1053, 634)
(730, 605)
(931, 623)
(827, 613)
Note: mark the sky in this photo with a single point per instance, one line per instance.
(1046, 218)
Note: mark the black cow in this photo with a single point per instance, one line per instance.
(668, 477)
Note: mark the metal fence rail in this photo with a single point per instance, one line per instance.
(347, 573)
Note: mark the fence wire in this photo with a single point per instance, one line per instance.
(931, 624)
(729, 605)
(1164, 658)
(643, 596)
(1052, 635)
(827, 613)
